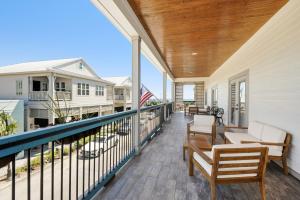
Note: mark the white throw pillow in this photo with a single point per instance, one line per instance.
(255, 129)
(273, 134)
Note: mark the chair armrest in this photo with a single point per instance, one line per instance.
(264, 143)
(203, 155)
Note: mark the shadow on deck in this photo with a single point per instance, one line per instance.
(160, 173)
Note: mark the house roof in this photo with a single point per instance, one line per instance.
(119, 81)
(55, 66)
(8, 105)
(36, 66)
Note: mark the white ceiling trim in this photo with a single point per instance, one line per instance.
(121, 15)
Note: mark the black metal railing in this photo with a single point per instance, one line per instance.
(74, 160)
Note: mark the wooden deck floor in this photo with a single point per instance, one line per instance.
(160, 173)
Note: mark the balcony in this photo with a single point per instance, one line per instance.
(63, 95)
(119, 97)
(76, 160)
(38, 95)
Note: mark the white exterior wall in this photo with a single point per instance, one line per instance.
(272, 58)
(8, 87)
(92, 99)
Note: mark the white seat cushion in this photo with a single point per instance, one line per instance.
(276, 135)
(203, 120)
(255, 129)
(208, 168)
(236, 138)
(200, 129)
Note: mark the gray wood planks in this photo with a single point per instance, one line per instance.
(160, 173)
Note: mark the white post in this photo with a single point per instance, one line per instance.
(136, 86)
(165, 94)
(173, 94)
(51, 87)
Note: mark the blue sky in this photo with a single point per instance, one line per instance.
(40, 30)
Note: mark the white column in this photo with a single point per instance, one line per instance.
(136, 86)
(51, 115)
(173, 94)
(165, 94)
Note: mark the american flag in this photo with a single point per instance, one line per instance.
(145, 95)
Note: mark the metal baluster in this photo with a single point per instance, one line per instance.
(61, 169)
(94, 174)
(119, 143)
(103, 154)
(70, 171)
(89, 170)
(115, 148)
(28, 173)
(83, 167)
(110, 148)
(52, 170)
(42, 173)
(13, 183)
(106, 149)
(126, 136)
(99, 158)
(77, 158)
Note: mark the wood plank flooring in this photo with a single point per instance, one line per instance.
(160, 173)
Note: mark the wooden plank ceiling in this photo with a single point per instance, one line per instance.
(195, 37)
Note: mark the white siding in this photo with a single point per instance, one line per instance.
(75, 68)
(273, 59)
(8, 87)
(91, 99)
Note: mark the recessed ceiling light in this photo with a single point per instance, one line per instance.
(194, 53)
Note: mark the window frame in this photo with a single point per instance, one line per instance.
(19, 87)
(99, 90)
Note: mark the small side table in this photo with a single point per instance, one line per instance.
(199, 141)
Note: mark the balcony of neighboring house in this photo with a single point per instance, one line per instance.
(63, 88)
(40, 88)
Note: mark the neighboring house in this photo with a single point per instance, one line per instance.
(122, 92)
(14, 108)
(69, 80)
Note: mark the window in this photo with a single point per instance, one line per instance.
(79, 88)
(214, 97)
(19, 88)
(99, 90)
(44, 86)
(57, 86)
(80, 66)
(83, 89)
(60, 86)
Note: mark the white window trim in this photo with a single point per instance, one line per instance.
(84, 89)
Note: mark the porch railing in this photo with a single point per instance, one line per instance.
(38, 95)
(63, 95)
(77, 159)
(119, 97)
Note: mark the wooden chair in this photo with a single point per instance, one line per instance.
(230, 163)
(193, 110)
(201, 125)
(273, 155)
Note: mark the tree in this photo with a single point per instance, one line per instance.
(7, 124)
(59, 108)
(7, 127)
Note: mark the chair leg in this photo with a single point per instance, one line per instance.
(262, 190)
(191, 164)
(183, 151)
(212, 190)
(285, 166)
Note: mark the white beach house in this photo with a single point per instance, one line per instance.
(69, 80)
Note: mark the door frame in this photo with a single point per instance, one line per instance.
(237, 76)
